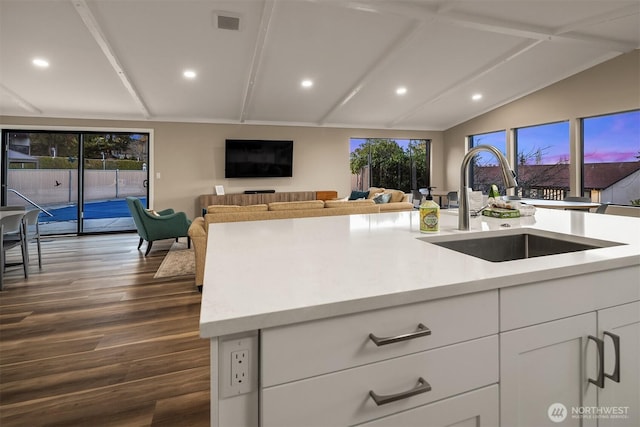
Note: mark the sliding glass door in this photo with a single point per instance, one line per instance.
(78, 180)
(114, 167)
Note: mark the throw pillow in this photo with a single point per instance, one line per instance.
(396, 195)
(374, 190)
(152, 212)
(355, 195)
(382, 198)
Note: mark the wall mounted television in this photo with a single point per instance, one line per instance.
(255, 158)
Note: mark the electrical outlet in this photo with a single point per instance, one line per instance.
(239, 367)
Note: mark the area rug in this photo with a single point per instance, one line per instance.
(179, 261)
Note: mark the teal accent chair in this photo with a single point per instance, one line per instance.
(165, 224)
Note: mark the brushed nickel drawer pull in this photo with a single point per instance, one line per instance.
(599, 382)
(422, 387)
(616, 346)
(422, 331)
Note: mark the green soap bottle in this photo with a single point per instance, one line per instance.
(429, 214)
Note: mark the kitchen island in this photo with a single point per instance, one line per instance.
(304, 317)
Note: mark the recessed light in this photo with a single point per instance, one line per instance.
(189, 74)
(401, 90)
(306, 83)
(476, 96)
(39, 62)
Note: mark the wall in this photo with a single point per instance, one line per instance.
(189, 157)
(613, 86)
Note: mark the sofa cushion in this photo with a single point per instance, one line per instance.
(396, 207)
(236, 208)
(285, 206)
(356, 195)
(347, 203)
(396, 195)
(373, 191)
(382, 198)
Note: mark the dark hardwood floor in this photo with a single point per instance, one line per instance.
(93, 339)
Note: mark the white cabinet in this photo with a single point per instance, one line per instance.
(343, 398)
(332, 372)
(302, 350)
(542, 365)
(573, 362)
(622, 322)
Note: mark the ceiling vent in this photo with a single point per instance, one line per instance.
(226, 21)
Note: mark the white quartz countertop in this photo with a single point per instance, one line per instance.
(261, 274)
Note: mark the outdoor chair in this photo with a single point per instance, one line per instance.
(11, 230)
(153, 226)
(32, 232)
(417, 198)
(452, 199)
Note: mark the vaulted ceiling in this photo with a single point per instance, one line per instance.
(124, 59)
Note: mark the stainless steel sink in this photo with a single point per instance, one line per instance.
(521, 244)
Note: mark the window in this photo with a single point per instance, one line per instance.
(484, 169)
(78, 179)
(542, 161)
(611, 158)
(401, 164)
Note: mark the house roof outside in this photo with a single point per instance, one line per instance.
(18, 157)
(597, 176)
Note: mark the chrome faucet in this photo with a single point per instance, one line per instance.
(508, 176)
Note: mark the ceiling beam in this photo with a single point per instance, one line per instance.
(470, 77)
(256, 60)
(572, 30)
(25, 105)
(446, 13)
(92, 25)
(612, 15)
(532, 32)
(387, 55)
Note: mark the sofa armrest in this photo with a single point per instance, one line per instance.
(198, 235)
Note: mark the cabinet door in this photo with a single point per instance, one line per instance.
(546, 364)
(477, 408)
(623, 321)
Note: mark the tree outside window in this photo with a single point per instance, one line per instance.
(389, 163)
(542, 164)
(484, 169)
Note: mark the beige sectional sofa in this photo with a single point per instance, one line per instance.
(276, 210)
(399, 201)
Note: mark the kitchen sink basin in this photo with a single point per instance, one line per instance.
(499, 247)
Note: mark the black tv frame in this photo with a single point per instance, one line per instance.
(258, 158)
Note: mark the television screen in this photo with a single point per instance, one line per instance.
(252, 158)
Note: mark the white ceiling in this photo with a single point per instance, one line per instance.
(123, 59)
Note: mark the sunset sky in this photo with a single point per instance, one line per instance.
(607, 139)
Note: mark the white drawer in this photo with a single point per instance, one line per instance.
(342, 398)
(554, 299)
(478, 408)
(308, 349)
